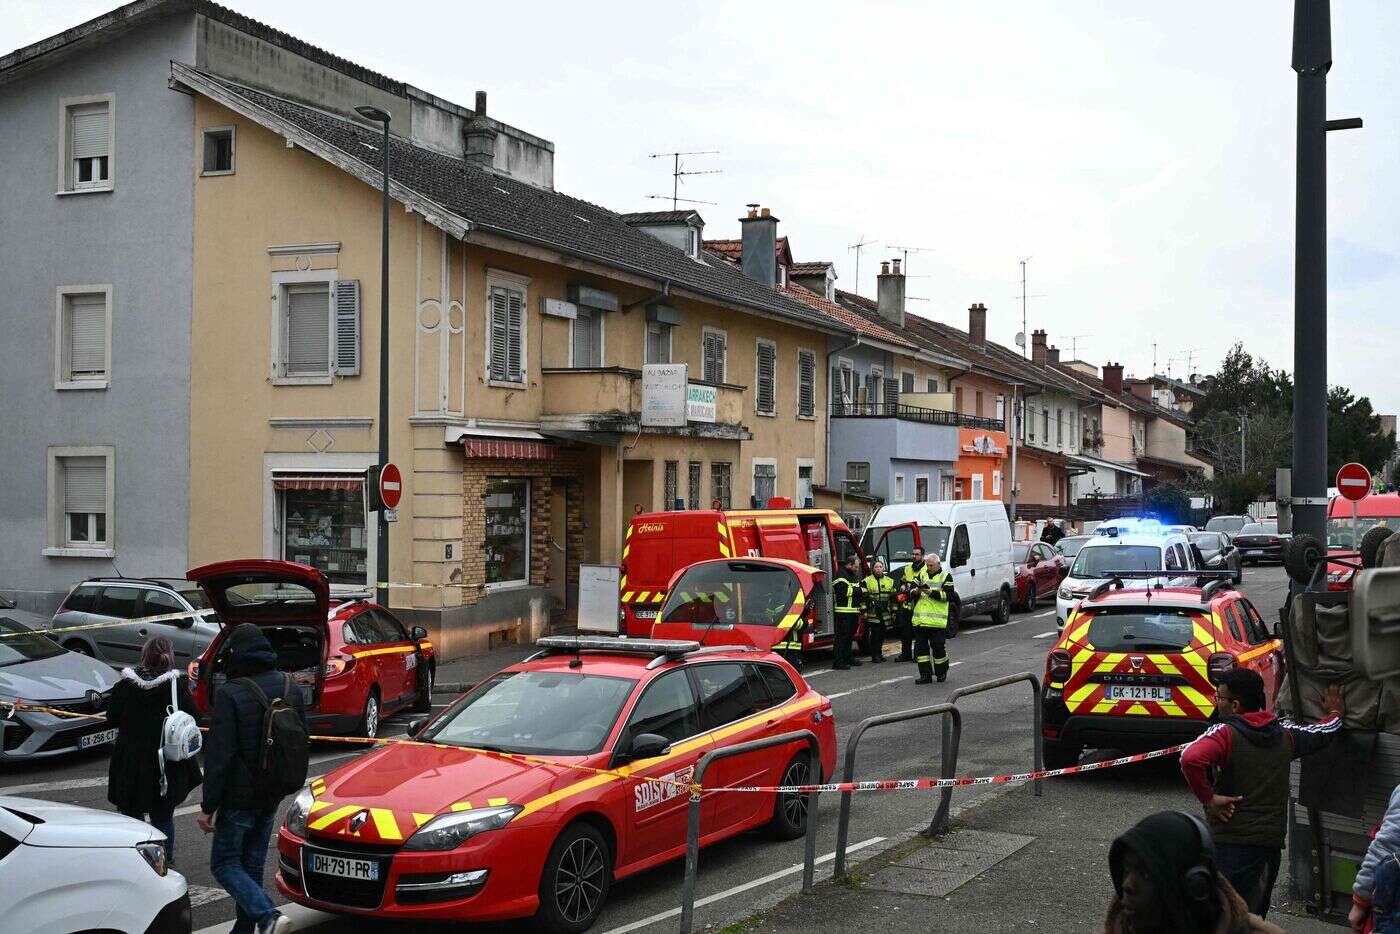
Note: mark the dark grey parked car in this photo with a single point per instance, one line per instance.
(113, 599)
(41, 671)
(1219, 553)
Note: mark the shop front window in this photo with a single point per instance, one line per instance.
(507, 531)
(325, 528)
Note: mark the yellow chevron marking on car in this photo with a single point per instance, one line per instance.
(1082, 692)
(1137, 709)
(1197, 699)
(681, 749)
(462, 806)
(420, 819)
(497, 802)
(318, 806)
(384, 824)
(627, 597)
(1104, 706)
(392, 650)
(1083, 656)
(1264, 649)
(1110, 661)
(325, 820)
(1164, 664)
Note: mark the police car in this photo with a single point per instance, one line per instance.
(1136, 545)
(608, 733)
(1135, 669)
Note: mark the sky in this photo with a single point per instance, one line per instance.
(1141, 155)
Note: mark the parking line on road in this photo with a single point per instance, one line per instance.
(736, 890)
(819, 671)
(67, 785)
(1046, 635)
(302, 919)
(867, 687)
(1050, 612)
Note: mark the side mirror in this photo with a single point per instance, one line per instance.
(416, 726)
(647, 746)
(418, 632)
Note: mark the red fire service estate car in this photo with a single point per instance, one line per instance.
(452, 832)
(354, 661)
(1039, 570)
(1135, 669)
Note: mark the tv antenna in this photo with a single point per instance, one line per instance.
(906, 250)
(1073, 343)
(860, 244)
(673, 199)
(678, 172)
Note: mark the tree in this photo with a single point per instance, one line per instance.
(1354, 433)
(1168, 502)
(1234, 492)
(1243, 383)
(1268, 440)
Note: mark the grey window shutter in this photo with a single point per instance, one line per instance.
(347, 327)
(85, 485)
(891, 399)
(806, 383)
(308, 332)
(766, 376)
(714, 358)
(837, 394)
(515, 326)
(499, 325)
(906, 382)
(587, 338)
(87, 335)
(87, 134)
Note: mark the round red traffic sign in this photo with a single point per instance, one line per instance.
(1354, 482)
(390, 486)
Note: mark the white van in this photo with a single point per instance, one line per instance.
(971, 537)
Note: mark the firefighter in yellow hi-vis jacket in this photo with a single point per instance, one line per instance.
(930, 620)
(846, 600)
(879, 609)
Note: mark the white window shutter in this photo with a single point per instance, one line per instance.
(85, 485)
(347, 327)
(308, 334)
(88, 133)
(87, 335)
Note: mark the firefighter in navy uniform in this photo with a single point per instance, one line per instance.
(909, 575)
(930, 620)
(879, 609)
(847, 597)
(790, 646)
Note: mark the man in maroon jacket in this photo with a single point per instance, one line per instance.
(1238, 768)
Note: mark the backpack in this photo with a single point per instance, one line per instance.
(180, 738)
(283, 744)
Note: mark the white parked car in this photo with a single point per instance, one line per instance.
(1141, 549)
(68, 868)
(971, 537)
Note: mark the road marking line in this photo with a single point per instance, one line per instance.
(736, 890)
(1049, 612)
(867, 687)
(819, 671)
(1046, 635)
(68, 785)
(302, 918)
(204, 894)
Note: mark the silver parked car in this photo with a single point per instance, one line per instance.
(40, 671)
(113, 599)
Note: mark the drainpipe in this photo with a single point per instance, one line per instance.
(827, 456)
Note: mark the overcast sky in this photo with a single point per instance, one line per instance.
(1141, 154)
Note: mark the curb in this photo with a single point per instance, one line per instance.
(453, 687)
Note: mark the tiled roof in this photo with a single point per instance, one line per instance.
(495, 203)
(734, 249)
(661, 217)
(857, 322)
(810, 269)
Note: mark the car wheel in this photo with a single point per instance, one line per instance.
(790, 810)
(1002, 614)
(423, 703)
(1031, 598)
(575, 881)
(1371, 544)
(369, 720)
(76, 645)
(1239, 576)
(1302, 557)
(1060, 755)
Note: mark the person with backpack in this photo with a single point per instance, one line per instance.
(142, 781)
(255, 754)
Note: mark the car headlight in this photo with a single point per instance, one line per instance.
(449, 831)
(1065, 594)
(154, 855)
(295, 821)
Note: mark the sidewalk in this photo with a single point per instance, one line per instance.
(1013, 863)
(451, 676)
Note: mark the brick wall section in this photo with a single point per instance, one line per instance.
(542, 475)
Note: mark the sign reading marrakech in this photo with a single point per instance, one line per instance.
(984, 444)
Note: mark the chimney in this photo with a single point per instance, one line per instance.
(480, 136)
(760, 245)
(1113, 378)
(977, 325)
(1052, 354)
(1141, 388)
(890, 294)
(1038, 346)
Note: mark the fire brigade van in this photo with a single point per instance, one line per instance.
(659, 544)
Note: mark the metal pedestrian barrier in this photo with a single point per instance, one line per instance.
(940, 819)
(692, 837)
(952, 723)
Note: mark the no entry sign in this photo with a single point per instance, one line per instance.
(1354, 482)
(391, 486)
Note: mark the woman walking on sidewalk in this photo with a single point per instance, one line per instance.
(140, 702)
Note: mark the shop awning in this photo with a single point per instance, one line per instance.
(501, 443)
(283, 481)
(1097, 464)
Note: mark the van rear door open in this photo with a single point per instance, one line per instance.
(654, 549)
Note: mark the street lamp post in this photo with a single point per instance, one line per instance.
(381, 563)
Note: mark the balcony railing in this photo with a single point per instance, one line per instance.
(912, 413)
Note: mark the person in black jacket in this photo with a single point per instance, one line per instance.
(139, 704)
(240, 815)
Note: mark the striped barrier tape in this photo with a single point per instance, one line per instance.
(111, 624)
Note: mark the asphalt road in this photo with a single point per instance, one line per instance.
(739, 874)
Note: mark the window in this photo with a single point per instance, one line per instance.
(979, 485)
(507, 531)
(323, 525)
(693, 244)
(505, 347)
(875, 383)
(360, 629)
(931, 385)
(307, 345)
(906, 382)
(692, 499)
(1060, 428)
(766, 402)
(83, 349)
(843, 383)
(728, 693)
(1030, 425)
(961, 551)
(82, 600)
(218, 151)
(921, 489)
(390, 629)
(979, 410)
(806, 384)
(713, 351)
(780, 686)
(1235, 619)
(1258, 632)
(1045, 425)
(1001, 409)
(957, 400)
(80, 502)
(586, 338)
(804, 485)
(1173, 559)
(765, 481)
(899, 488)
(996, 484)
(666, 708)
(669, 492)
(720, 489)
(658, 342)
(160, 603)
(857, 476)
(87, 144)
(119, 602)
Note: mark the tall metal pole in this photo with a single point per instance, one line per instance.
(1312, 58)
(1015, 441)
(1025, 335)
(1241, 442)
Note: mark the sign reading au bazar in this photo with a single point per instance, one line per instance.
(670, 400)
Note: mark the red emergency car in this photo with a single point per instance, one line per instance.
(1376, 510)
(355, 662)
(452, 832)
(1135, 668)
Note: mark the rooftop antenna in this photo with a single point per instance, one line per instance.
(860, 244)
(1025, 334)
(677, 172)
(673, 199)
(1073, 343)
(906, 250)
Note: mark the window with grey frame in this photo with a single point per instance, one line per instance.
(89, 141)
(720, 484)
(806, 383)
(658, 348)
(586, 338)
(906, 382)
(670, 485)
(857, 476)
(765, 483)
(692, 492)
(766, 390)
(85, 336)
(713, 362)
(507, 323)
(307, 345)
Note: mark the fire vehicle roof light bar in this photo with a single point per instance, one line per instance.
(676, 648)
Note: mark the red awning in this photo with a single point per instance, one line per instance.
(316, 482)
(497, 449)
